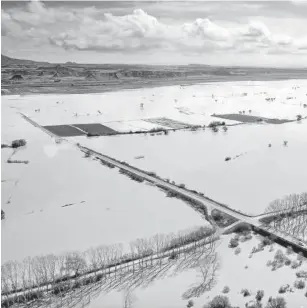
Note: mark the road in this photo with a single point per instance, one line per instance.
(253, 221)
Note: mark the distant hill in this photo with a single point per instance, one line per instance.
(5, 60)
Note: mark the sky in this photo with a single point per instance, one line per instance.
(244, 33)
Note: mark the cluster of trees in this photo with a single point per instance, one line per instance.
(291, 202)
(221, 301)
(15, 144)
(48, 272)
(291, 215)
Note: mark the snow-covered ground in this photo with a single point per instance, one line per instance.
(236, 271)
(247, 183)
(108, 208)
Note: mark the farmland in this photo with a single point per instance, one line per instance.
(177, 134)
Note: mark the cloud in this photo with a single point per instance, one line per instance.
(90, 29)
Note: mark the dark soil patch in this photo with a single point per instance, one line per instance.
(98, 128)
(64, 130)
(250, 119)
(92, 129)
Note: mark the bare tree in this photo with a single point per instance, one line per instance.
(129, 299)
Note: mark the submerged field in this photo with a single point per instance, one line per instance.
(61, 200)
(245, 270)
(197, 159)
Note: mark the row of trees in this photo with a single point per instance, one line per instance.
(291, 202)
(290, 216)
(44, 272)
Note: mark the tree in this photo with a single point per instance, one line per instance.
(259, 295)
(278, 302)
(219, 301)
(74, 263)
(129, 299)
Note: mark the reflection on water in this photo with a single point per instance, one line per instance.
(142, 273)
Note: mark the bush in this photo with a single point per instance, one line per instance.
(2, 215)
(226, 289)
(278, 302)
(299, 284)
(216, 123)
(245, 292)
(190, 303)
(259, 295)
(295, 264)
(289, 250)
(219, 301)
(253, 304)
(299, 117)
(233, 243)
(301, 274)
(92, 134)
(238, 250)
(283, 289)
(227, 158)
(279, 256)
(288, 262)
(18, 143)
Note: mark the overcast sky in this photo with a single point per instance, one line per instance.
(159, 32)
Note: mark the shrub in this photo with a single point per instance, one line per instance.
(219, 301)
(190, 303)
(216, 123)
(295, 264)
(299, 284)
(233, 243)
(288, 262)
(92, 134)
(299, 117)
(289, 250)
(237, 250)
(225, 128)
(259, 295)
(301, 274)
(245, 292)
(278, 302)
(226, 289)
(227, 158)
(18, 143)
(253, 304)
(2, 215)
(279, 256)
(283, 289)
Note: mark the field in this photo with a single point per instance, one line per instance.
(198, 160)
(169, 291)
(208, 137)
(77, 201)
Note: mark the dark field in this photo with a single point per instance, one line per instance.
(64, 130)
(250, 119)
(73, 131)
(96, 128)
